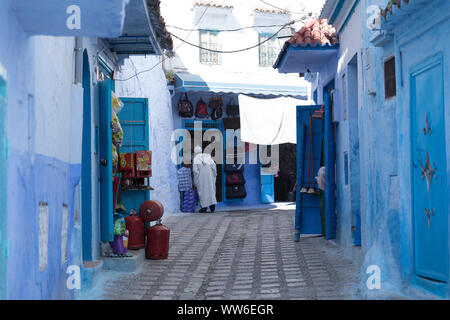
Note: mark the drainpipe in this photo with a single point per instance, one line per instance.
(78, 61)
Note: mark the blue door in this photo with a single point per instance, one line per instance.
(429, 172)
(106, 185)
(3, 188)
(307, 213)
(267, 187)
(86, 163)
(134, 121)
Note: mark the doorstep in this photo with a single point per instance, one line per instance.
(89, 271)
(128, 263)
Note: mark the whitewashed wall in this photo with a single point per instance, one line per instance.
(152, 85)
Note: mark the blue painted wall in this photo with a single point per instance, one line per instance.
(44, 134)
(387, 231)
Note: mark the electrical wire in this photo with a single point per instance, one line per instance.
(230, 30)
(284, 10)
(165, 58)
(233, 51)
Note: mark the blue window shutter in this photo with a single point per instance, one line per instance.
(135, 125)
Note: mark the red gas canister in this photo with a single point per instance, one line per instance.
(136, 230)
(151, 210)
(157, 242)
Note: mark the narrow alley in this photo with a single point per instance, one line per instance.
(240, 255)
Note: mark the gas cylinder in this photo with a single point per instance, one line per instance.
(151, 210)
(157, 242)
(136, 231)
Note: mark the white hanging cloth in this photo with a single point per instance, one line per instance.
(269, 121)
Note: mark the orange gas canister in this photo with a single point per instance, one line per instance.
(157, 242)
(136, 230)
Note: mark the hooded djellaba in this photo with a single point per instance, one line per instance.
(205, 173)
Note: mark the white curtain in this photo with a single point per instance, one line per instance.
(269, 121)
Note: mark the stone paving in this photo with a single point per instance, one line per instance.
(240, 255)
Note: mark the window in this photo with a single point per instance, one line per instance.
(268, 50)
(208, 39)
(344, 94)
(389, 78)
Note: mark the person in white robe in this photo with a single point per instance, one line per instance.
(205, 173)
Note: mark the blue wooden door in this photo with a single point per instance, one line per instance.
(134, 121)
(307, 213)
(429, 172)
(86, 166)
(267, 187)
(3, 188)
(106, 185)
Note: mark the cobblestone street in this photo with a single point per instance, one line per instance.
(240, 255)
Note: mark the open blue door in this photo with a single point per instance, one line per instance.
(309, 147)
(134, 121)
(330, 172)
(106, 184)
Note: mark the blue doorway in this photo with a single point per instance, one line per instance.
(429, 172)
(86, 163)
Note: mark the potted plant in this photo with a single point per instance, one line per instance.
(170, 77)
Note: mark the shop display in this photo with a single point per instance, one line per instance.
(143, 164)
(127, 166)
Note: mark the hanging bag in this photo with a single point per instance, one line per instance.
(217, 113)
(235, 178)
(201, 111)
(236, 191)
(185, 107)
(232, 109)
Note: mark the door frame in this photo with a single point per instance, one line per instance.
(434, 286)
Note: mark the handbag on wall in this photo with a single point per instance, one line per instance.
(232, 109)
(185, 107)
(236, 191)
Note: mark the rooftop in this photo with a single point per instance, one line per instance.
(212, 4)
(315, 32)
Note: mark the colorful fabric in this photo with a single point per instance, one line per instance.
(117, 132)
(188, 204)
(184, 179)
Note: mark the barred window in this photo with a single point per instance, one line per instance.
(268, 51)
(209, 40)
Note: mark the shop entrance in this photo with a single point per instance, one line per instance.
(219, 190)
(285, 179)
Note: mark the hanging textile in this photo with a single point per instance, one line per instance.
(268, 121)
